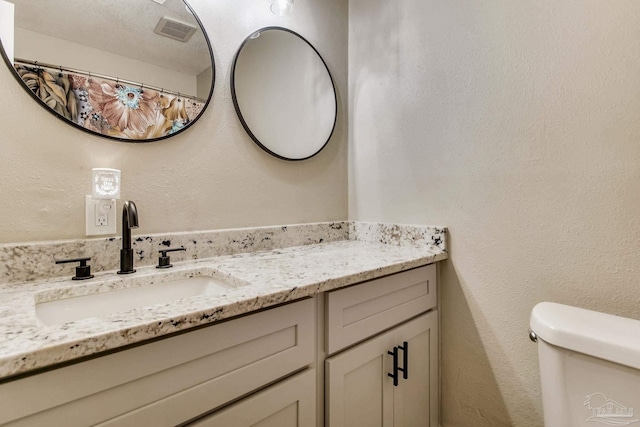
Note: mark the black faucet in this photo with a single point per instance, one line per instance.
(129, 221)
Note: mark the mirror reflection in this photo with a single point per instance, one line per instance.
(284, 94)
(132, 70)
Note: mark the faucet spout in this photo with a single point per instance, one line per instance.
(129, 221)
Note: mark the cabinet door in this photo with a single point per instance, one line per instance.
(415, 402)
(290, 403)
(359, 391)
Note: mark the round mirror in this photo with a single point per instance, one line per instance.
(131, 70)
(284, 94)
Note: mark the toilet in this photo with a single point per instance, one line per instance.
(589, 366)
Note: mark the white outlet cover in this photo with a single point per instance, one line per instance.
(100, 211)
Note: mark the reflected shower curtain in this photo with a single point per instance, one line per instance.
(109, 107)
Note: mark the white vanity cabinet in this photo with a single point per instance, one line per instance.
(170, 381)
(358, 387)
(265, 369)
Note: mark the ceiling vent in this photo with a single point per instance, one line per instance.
(174, 29)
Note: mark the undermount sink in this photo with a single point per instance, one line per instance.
(119, 300)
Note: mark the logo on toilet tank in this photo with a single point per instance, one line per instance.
(608, 411)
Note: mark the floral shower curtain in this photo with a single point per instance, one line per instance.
(109, 107)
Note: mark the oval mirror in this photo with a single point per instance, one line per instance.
(131, 70)
(284, 94)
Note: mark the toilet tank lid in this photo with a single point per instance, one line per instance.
(602, 335)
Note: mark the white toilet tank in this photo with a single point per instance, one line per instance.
(589, 366)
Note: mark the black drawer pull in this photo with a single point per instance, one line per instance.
(394, 353)
(405, 360)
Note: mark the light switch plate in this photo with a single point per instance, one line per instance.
(100, 216)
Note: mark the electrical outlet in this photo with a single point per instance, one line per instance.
(102, 220)
(102, 213)
(100, 216)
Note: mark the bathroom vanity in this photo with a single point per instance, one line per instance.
(339, 334)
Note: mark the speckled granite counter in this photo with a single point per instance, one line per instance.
(260, 279)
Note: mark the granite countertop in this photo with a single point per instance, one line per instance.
(258, 280)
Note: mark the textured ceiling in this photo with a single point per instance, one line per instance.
(123, 27)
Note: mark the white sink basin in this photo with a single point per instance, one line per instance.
(101, 304)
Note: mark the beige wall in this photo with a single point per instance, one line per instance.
(212, 176)
(516, 124)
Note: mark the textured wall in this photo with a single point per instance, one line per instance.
(211, 176)
(517, 125)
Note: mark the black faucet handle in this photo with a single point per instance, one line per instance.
(83, 271)
(164, 261)
(163, 252)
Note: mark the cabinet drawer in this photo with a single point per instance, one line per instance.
(289, 403)
(187, 375)
(361, 311)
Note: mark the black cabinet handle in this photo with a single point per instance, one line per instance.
(405, 360)
(394, 353)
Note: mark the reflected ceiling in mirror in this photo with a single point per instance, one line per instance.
(284, 94)
(131, 70)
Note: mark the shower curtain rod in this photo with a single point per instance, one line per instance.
(102, 76)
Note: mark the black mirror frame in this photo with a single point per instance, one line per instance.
(7, 61)
(237, 106)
